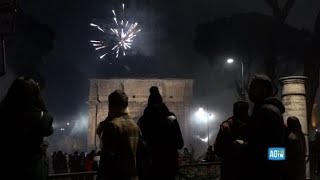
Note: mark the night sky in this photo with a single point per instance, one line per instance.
(162, 49)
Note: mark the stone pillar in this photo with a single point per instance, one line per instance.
(294, 100)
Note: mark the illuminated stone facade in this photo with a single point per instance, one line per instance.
(294, 100)
(177, 94)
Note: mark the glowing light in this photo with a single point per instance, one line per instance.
(202, 115)
(101, 47)
(103, 55)
(96, 26)
(68, 124)
(203, 139)
(230, 61)
(120, 37)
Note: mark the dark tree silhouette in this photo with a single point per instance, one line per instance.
(253, 37)
(312, 66)
(280, 13)
(256, 37)
(29, 45)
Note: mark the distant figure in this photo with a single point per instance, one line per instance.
(295, 150)
(210, 155)
(317, 153)
(266, 129)
(89, 161)
(61, 163)
(75, 162)
(231, 143)
(96, 161)
(23, 112)
(82, 159)
(119, 137)
(160, 140)
(186, 157)
(54, 162)
(44, 149)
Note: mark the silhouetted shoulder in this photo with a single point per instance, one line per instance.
(47, 120)
(172, 118)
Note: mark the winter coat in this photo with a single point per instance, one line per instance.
(233, 155)
(29, 127)
(295, 155)
(119, 139)
(266, 130)
(160, 140)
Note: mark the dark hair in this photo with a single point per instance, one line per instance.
(118, 98)
(293, 123)
(265, 81)
(21, 94)
(240, 106)
(155, 96)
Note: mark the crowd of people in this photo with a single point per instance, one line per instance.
(243, 141)
(64, 163)
(148, 150)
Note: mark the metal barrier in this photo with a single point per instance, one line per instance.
(197, 171)
(73, 176)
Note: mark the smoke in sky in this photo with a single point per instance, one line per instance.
(162, 49)
(79, 123)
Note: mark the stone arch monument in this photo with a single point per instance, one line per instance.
(177, 94)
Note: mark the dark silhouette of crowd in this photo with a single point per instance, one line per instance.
(243, 141)
(315, 154)
(24, 111)
(64, 163)
(148, 150)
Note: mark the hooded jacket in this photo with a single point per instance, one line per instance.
(266, 130)
(161, 136)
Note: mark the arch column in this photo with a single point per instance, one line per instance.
(294, 100)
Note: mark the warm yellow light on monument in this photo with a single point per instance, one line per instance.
(315, 116)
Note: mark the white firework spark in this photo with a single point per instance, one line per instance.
(123, 32)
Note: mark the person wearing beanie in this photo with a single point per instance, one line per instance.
(159, 141)
(155, 97)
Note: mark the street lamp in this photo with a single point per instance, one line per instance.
(243, 94)
(205, 116)
(230, 61)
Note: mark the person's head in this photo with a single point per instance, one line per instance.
(240, 110)
(154, 97)
(185, 150)
(260, 88)
(293, 123)
(317, 136)
(93, 152)
(118, 101)
(21, 94)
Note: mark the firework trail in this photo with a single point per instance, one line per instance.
(118, 38)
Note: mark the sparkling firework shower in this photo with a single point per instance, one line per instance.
(118, 38)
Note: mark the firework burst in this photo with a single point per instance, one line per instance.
(118, 38)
